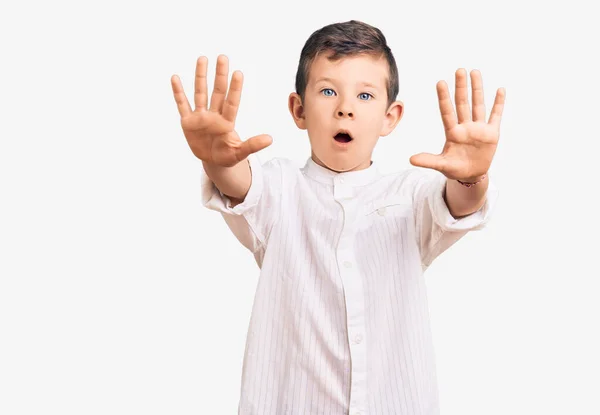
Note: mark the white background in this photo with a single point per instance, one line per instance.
(121, 294)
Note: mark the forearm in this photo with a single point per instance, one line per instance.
(462, 200)
(233, 182)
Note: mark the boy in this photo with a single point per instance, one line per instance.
(340, 319)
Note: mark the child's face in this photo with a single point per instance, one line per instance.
(349, 94)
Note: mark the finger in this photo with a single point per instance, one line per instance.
(428, 160)
(461, 96)
(218, 95)
(183, 106)
(200, 85)
(448, 115)
(478, 102)
(253, 145)
(232, 103)
(496, 115)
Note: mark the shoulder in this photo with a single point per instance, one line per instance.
(277, 173)
(411, 178)
(286, 164)
(410, 184)
(275, 163)
(282, 166)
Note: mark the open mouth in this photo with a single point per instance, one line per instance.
(343, 136)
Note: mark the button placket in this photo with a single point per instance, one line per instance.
(354, 299)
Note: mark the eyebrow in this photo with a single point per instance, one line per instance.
(332, 81)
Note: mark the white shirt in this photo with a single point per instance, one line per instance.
(340, 321)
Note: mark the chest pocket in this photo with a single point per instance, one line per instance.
(388, 215)
(386, 232)
(396, 206)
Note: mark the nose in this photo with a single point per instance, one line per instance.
(342, 114)
(343, 110)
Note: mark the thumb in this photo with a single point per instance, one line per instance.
(253, 145)
(428, 160)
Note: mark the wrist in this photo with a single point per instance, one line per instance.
(472, 181)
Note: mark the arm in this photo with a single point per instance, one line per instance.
(209, 130)
(234, 182)
(470, 144)
(462, 200)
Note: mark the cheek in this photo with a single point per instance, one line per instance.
(316, 118)
(374, 123)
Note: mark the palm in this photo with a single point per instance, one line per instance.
(225, 149)
(219, 145)
(470, 141)
(210, 130)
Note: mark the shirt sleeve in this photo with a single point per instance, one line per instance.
(437, 230)
(252, 220)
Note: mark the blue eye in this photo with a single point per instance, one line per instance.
(328, 92)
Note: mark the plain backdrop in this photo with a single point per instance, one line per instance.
(121, 294)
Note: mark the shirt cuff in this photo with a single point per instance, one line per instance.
(444, 218)
(213, 199)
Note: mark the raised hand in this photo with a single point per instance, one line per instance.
(470, 141)
(210, 130)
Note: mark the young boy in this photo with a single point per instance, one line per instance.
(340, 320)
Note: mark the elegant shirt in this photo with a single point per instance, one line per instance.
(340, 321)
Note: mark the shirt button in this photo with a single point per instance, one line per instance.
(381, 211)
(358, 339)
(348, 264)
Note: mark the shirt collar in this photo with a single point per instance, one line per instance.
(352, 178)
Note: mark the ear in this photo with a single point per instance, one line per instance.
(392, 117)
(297, 110)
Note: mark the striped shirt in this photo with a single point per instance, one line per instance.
(340, 321)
